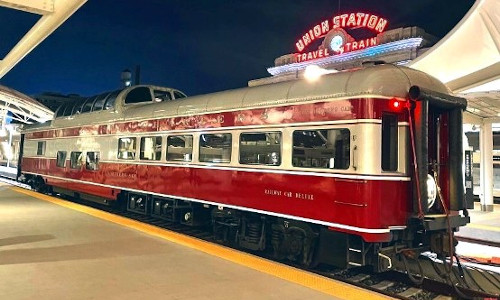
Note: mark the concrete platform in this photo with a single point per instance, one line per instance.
(48, 251)
(484, 225)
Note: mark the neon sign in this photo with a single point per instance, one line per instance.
(336, 39)
(352, 20)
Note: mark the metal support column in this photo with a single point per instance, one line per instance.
(486, 168)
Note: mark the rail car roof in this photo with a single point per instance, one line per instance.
(374, 81)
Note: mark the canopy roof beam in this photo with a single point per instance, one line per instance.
(39, 7)
(54, 13)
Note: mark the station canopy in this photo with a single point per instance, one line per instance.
(53, 13)
(23, 108)
(467, 60)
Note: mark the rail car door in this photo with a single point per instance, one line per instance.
(437, 147)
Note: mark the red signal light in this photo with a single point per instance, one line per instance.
(396, 105)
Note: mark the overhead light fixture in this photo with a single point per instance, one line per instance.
(314, 72)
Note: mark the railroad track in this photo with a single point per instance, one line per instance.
(393, 284)
(477, 241)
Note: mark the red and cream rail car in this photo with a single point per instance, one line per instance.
(340, 171)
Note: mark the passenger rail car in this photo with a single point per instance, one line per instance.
(340, 171)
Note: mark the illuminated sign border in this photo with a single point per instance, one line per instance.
(409, 43)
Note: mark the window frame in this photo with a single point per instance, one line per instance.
(110, 100)
(58, 161)
(97, 158)
(141, 150)
(135, 148)
(137, 88)
(177, 93)
(75, 164)
(280, 157)
(190, 154)
(389, 161)
(88, 104)
(163, 97)
(328, 166)
(99, 101)
(213, 161)
(40, 151)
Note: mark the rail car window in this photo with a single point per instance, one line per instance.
(262, 148)
(180, 148)
(61, 159)
(68, 109)
(321, 148)
(77, 109)
(40, 149)
(92, 161)
(75, 160)
(215, 148)
(138, 95)
(179, 95)
(150, 148)
(161, 96)
(88, 105)
(110, 101)
(389, 142)
(126, 148)
(99, 102)
(60, 110)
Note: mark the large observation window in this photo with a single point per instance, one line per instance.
(77, 109)
(179, 95)
(321, 148)
(138, 95)
(68, 109)
(215, 148)
(389, 142)
(106, 101)
(110, 101)
(60, 110)
(88, 104)
(260, 148)
(161, 96)
(99, 102)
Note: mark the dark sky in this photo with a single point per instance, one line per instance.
(196, 46)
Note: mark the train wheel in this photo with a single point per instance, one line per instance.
(38, 184)
(295, 241)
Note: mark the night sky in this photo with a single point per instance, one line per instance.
(195, 46)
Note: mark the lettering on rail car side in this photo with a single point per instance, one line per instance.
(121, 174)
(289, 194)
(322, 110)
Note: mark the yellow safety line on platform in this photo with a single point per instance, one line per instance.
(484, 227)
(304, 278)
